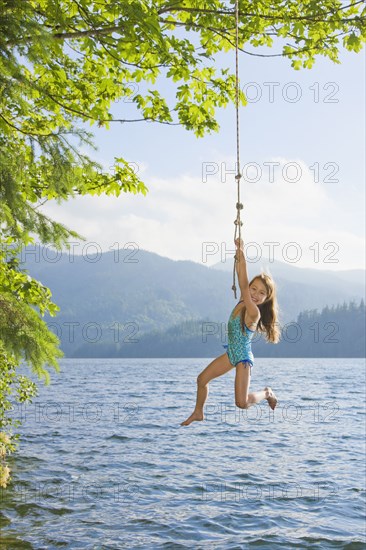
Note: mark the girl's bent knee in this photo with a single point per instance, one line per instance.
(242, 404)
(200, 381)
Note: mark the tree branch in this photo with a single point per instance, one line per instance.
(172, 8)
(22, 131)
(146, 119)
(90, 32)
(176, 8)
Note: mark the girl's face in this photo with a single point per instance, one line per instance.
(258, 291)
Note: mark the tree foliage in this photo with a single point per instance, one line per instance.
(14, 388)
(63, 66)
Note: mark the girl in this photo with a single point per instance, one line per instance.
(256, 311)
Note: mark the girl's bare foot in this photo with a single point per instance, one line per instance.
(194, 416)
(271, 398)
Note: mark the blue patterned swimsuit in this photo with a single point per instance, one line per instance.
(239, 348)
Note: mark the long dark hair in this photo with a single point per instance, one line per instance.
(268, 322)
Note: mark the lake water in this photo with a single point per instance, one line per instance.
(104, 463)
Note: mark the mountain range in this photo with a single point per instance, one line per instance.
(144, 292)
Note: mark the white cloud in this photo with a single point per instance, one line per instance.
(180, 214)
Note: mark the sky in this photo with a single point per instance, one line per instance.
(302, 150)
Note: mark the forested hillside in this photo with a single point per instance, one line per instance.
(109, 300)
(334, 332)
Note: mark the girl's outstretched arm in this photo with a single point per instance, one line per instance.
(241, 265)
(241, 270)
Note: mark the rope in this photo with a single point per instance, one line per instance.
(238, 223)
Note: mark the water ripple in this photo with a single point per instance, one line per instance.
(110, 467)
